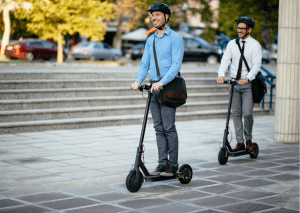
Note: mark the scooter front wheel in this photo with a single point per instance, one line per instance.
(187, 173)
(256, 151)
(132, 184)
(222, 157)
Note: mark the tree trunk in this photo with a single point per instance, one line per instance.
(6, 34)
(117, 41)
(59, 48)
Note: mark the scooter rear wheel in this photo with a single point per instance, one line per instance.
(256, 151)
(131, 184)
(187, 173)
(222, 157)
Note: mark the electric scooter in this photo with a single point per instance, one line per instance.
(139, 173)
(226, 150)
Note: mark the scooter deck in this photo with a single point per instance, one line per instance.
(235, 153)
(152, 178)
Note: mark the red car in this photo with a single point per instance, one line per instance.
(31, 49)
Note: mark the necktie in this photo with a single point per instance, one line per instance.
(238, 76)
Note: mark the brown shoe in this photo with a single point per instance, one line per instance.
(239, 147)
(249, 146)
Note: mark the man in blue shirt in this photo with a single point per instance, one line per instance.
(169, 50)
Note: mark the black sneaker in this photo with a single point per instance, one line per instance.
(170, 171)
(159, 169)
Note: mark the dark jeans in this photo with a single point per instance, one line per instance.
(166, 134)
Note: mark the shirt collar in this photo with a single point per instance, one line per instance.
(167, 32)
(247, 39)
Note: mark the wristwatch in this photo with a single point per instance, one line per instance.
(247, 79)
(137, 82)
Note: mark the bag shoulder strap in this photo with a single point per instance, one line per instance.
(155, 58)
(242, 55)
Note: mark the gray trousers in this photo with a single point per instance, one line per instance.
(242, 106)
(166, 134)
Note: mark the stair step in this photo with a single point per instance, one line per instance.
(92, 92)
(84, 112)
(119, 73)
(22, 104)
(44, 125)
(85, 83)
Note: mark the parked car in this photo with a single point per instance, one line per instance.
(137, 51)
(95, 51)
(197, 49)
(31, 49)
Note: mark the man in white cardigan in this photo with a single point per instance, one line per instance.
(242, 102)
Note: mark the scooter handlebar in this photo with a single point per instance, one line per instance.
(144, 87)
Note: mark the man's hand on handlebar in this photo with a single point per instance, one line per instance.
(221, 80)
(157, 86)
(135, 86)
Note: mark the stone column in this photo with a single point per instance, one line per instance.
(287, 110)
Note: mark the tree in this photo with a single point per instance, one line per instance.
(264, 12)
(52, 19)
(129, 11)
(5, 6)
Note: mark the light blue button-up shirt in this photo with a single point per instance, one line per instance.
(169, 52)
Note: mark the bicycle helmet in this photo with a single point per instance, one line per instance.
(162, 7)
(249, 21)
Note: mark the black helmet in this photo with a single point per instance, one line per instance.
(162, 7)
(249, 21)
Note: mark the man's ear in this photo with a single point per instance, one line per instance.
(167, 17)
(250, 30)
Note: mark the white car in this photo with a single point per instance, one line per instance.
(95, 51)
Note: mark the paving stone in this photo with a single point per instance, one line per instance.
(98, 208)
(215, 201)
(184, 195)
(287, 160)
(25, 209)
(89, 190)
(220, 189)
(10, 192)
(231, 168)
(115, 196)
(282, 210)
(209, 165)
(284, 177)
(142, 203)
(280, 200)
(248, 207)
(208, 211)
(289, 154)
(258, 173)
(255, 183)
(283, 187)
(261, 165)
(69, 203)
(229, 178)
(250, 194)
(9, 203)
(271, 151)
(195, 183)
(285, 168)
(36, 198)
(206, 173)
(172, 207)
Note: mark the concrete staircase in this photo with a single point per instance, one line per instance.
(39, 101)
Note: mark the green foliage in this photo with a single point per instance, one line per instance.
(264, 12)
(86, 17)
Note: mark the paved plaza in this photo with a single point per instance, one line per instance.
(84, 170)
